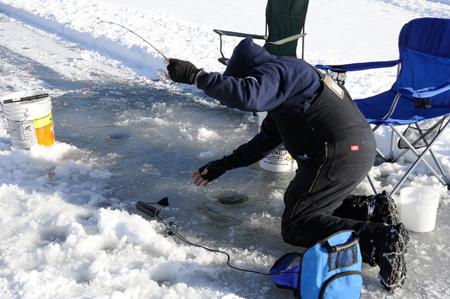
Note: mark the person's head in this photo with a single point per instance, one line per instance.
(245, 56)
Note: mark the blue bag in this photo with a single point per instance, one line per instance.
(329, 269)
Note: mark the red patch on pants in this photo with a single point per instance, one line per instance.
(354, 147)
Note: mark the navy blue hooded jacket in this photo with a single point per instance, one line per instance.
(255, 80)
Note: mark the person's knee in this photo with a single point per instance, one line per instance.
(290, 230)
(291, 223)
(288, 236)
(297, 236)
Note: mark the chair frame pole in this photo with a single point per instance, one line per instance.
(378, 151)
(419, 159)
(221, 44)
(443, 178)
(421, 137)
(441, 170)
(391, 147)
(419, 155)
(389, 114)
(371, 184)
(303, 42)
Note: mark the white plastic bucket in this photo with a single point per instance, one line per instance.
(279, 160)
(29, 117)
(3, 122)
(418, 208)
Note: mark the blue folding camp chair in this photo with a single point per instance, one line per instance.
(420, 93)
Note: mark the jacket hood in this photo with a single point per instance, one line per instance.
(245, 56)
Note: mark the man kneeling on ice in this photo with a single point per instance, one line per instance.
(324, 131)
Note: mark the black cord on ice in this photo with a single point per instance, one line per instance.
(172, 232)
(109, 22)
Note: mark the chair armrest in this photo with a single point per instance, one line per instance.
(358, 66)
(221, 33)
(238, 34)
(427, 92)
(287, 39)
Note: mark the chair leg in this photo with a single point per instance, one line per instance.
(436, 161)
(418, 160)
(391, 147)
(385, 159)
(382, 156)
(441, 170)
(422, 137)
(372, 184)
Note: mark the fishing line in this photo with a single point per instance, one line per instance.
(172, 230)
(131, 31)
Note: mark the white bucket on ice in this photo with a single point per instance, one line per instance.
(418, 208)
(29, 117)
(3, 122)
(279, 160)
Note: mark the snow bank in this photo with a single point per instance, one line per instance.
(56, 244)
(75, 22)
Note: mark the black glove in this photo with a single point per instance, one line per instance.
(182, 71)
(217, 168)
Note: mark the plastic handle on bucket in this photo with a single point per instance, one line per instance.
(29, 98)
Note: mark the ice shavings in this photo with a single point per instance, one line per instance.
(205, 135)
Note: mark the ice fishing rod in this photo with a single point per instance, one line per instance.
(131, 31)
(172, 230)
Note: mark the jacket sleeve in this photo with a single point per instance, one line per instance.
(259, 92)
(259, 147)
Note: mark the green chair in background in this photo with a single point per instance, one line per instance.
(285, 25)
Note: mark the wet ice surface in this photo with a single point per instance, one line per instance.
(149, 139)
(159, 144)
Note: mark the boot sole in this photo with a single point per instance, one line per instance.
(393, 264)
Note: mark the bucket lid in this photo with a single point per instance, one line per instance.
(425, 194)
(25, 98)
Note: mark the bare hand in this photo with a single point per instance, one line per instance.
(198, 180)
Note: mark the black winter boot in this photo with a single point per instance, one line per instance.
(388, 252)
(378, 208)
(384, 209)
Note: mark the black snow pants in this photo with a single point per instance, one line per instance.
(339, 160)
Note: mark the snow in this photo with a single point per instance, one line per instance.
(69, 227)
